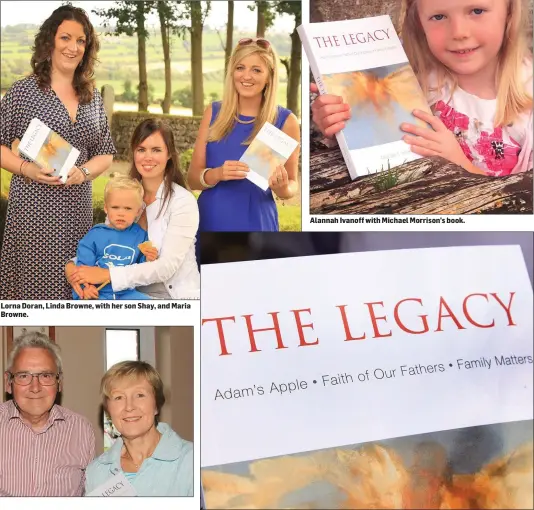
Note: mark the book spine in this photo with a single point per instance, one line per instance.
(340, 137)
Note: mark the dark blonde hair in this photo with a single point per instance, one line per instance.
(83, 81)
(132, 370)
(225, 120)
(512, 97)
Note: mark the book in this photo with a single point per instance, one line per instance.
(363, 61)
(48, 150)
(406, 384)
(270, 148)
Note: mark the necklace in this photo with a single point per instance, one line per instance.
(244, 121)
(137, 466)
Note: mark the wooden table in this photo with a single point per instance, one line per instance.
(424, 186)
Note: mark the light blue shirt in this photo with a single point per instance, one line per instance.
(168, 472)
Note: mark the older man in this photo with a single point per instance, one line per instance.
(44, 448)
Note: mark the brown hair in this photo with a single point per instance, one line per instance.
(172, 169)
(83, 81)
(133, 370)
(512, 96)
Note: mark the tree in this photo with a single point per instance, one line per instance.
(293, 64)
(168, 14)
(265, 18)
(197, 16)
(229, 35)
(130, 18)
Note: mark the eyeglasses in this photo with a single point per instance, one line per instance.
(25, 378)
(262, 43)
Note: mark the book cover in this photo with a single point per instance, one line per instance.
(270, 148)
(48, 150)
(363, 61)
(378, 388)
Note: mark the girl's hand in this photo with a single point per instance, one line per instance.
(329, 112)
(278, 180)
(75, 176)
(151, 254)
(438, 141)
(232, 170)
(84, 275)
(38, 174)
(90, 292)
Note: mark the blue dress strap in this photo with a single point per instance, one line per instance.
(215, 108)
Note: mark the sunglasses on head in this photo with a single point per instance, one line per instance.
(262, 43)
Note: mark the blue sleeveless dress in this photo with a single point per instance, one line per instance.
(240, 205)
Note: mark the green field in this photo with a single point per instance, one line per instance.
(118, 61)
(289, 214)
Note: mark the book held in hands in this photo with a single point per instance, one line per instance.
(405, 384)
(48, 150)
(270, 148)
(363, 61)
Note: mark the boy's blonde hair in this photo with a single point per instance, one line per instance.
(127, 183)
(512, 97)
(223, 124)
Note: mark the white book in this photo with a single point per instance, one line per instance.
(48, 150)
(408, 379)
(363, 61)
(270, 148)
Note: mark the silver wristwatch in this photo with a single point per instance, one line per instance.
(86, 172)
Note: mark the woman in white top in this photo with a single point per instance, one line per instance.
(170, 217)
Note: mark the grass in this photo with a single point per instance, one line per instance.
(289, 214)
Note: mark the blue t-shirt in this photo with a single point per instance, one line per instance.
(104, 246)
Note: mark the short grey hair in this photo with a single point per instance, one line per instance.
(38, 341)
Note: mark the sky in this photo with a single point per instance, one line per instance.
(35, 12)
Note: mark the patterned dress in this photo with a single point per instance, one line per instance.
(44, 223)
(498, 151)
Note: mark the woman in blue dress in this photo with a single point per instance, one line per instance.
(229, 201)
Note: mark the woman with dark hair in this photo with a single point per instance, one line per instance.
(45, 218)
(170, 216)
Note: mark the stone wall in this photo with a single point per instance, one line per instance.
(123, 124)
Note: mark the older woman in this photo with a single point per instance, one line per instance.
(152, 457)
(45, 218)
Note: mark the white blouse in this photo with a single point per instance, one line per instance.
(173, 234)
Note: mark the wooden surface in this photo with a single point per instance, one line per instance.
(425, 186)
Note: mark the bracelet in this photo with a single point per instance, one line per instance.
(203, 181)
(27, 180)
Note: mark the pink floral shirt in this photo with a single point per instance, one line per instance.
(498, 151)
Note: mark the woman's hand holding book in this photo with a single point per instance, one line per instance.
(34, 172)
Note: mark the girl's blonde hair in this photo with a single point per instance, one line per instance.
(127, 183)
(512, 96)
(225, 120)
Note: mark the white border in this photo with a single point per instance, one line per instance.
(121, 318)
(482, 222)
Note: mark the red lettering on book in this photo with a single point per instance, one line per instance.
(468, 315)
(301, 326)
(374, 319)
(275, 328)
(506, 308)
(348, 334)
(441, 315)
(402, 326)
(220, 331)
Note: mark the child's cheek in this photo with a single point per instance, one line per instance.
(436, 37)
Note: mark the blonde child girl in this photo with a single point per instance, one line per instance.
(473, 63)
(229, 201)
